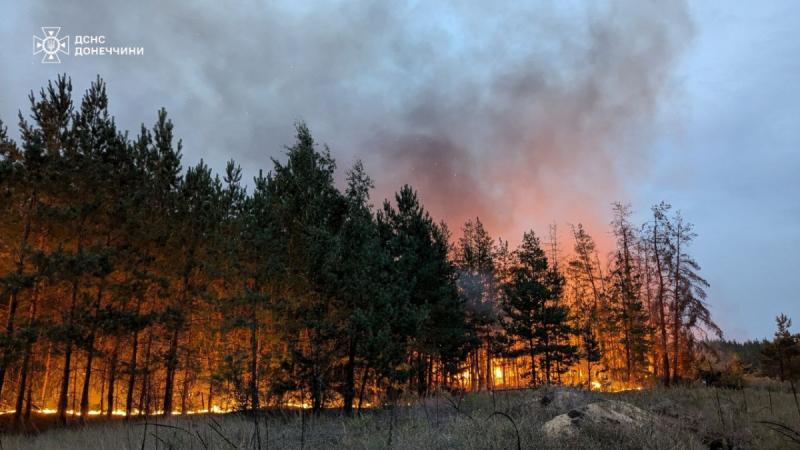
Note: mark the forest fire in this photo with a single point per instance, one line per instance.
(399, 224)
(177, 306)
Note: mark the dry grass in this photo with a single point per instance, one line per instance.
(687, 418)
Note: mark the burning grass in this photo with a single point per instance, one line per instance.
(688, 418)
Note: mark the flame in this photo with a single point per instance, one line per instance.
(462, 378)
(304, 404)
(215, 409)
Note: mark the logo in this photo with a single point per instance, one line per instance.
(50, 45)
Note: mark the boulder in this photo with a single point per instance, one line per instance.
(608, 414)
(562, 399)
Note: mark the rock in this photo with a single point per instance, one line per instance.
(560, 426)
(606, 414)
(562, 399)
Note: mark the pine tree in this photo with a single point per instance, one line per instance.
(80, 148)
(435, 318)
(477, 285)
(781, 357)
(661, 253)
(309, 211)
(555, 329)
(590, 351)
(197, 215)
(448, 336)
(534, 322)
(590, 297)
(586, 272)
(363, 290)
(688, 308)
(29, 175)
(103, 164)
(627, 310)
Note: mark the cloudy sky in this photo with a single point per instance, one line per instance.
(522, 113)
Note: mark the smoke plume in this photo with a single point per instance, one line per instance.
(518, 112)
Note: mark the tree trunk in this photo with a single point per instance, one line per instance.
(661, 319)
(489, 373)
(532, 353)
(547, 358)
(185, 386)
(628, 368)
(64, 392)
(627, 299)
(172, 363)
(131, 375)
(90, 355)
(350, 377)
(26, 360)
(676, 309)
(589, 373)
(421, 375)
(144, 400)
(676, 349)
(7, 350)
(132, 365)
(86, 379)
(13, 302)
(254, 362)
(28, 402)
(364, 379)
(63, 395)
(112, 377)
(103, 374)
(651, 321)
(172, 354)
(23, 381)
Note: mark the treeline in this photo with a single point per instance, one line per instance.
(728, 363)
(780, 358)
(746, 353)
(134, 286)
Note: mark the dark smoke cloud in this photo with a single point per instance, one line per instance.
(518, 113)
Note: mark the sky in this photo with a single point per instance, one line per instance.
(521, 113)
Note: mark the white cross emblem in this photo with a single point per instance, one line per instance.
(51, 45)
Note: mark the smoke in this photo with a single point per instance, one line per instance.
(522, 114)
(552, 128)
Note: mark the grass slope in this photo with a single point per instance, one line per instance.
(687, 418)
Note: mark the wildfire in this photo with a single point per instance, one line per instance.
(304, 404)
(614, 387)
(215, 409)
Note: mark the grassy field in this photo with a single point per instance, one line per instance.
(684, 418)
